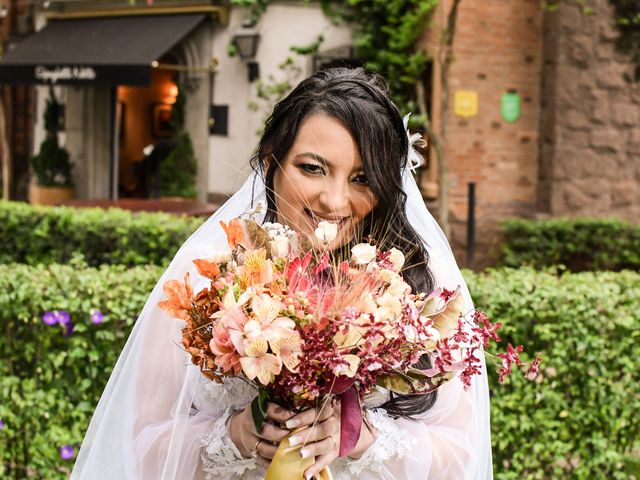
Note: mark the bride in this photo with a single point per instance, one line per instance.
(336, 150)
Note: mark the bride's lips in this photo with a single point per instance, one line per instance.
(316, 218)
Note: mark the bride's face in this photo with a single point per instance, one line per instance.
(322, 178)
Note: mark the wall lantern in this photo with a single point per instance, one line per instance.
(246, 42)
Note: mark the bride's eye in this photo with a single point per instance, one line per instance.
(361, 179)
(310, 168)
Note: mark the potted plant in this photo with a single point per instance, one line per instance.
(53, 183)
(178, 171)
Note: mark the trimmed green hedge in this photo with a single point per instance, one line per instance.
(34, 235)
(50, 382)
(579, 420)
(580, 244)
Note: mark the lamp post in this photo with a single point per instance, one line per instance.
(246, 42)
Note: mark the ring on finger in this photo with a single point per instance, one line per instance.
(254, 452)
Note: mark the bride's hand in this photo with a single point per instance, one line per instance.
(320, 436)
(264, 444)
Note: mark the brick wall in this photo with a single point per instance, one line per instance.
(497, 49)
(575, 150)
(590, 163)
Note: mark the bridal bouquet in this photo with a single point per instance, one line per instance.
(303, 328)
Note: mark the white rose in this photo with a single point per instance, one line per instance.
(389, 302)
(363, 253)
(387, 276)
(398, 288)
(326, 231)
(280, 246)
(396, 257)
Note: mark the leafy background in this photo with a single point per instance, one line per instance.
(577, 421)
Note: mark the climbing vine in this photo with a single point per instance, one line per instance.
(385, 34)
(627, 15)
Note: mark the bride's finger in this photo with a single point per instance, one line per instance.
(321, 462)
(311, 416)
(266, 449)
(272, 434)
(329, 427)
(326, 446)
(278, 413)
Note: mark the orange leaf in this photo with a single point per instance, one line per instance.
(179, 295)
(234, 232)
(206, 268)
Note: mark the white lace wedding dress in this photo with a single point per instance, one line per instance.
(159, 418)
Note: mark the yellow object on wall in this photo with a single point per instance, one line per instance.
(465, 103)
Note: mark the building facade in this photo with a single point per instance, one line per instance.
(574, 148)
(543, 113)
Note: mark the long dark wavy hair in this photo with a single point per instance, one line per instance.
(361, 101)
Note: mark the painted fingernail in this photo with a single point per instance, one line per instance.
(304, 453)
(292, 423)
(308, 476)
(293, 440)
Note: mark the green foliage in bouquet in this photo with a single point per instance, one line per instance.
(579, 419)
(178, 172)
(580, 244)
(34, 235)
(51, 378)
(51, 165)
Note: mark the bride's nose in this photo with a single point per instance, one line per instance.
(334, 198)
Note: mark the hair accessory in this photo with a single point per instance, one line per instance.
(414, 159)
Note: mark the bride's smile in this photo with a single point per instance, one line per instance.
(322, 179)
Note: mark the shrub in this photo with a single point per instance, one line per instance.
(50, 382)
(580, 244)
(51, 165)
(580, 418)
(35, 235)
(178, 171)
(577, 421)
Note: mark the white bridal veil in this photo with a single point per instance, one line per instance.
(145, 426)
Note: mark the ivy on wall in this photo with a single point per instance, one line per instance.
(627, 15)
(627, 19)
(385, 34)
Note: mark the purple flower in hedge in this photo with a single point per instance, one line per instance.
(68, 329)
(56, 316)
(1, 424)
(50, 318)
(96, 317)
(63, 317)
(67, 452)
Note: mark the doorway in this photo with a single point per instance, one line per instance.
(143, 125)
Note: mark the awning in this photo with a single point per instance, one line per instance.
(112, 51)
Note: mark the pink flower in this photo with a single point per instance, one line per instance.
(259, 363)
(532, 373)
(289, 349)
(508, 359)
(227, 358)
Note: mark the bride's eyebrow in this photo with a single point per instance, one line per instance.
(325, 163)
(314, 156)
